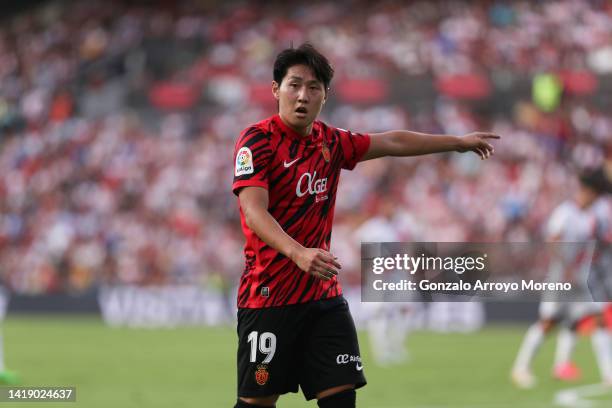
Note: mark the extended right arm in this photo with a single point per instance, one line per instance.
(315, 261)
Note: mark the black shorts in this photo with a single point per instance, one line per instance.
(311, 345)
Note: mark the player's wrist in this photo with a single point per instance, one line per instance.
(294, 252)
(459, 144)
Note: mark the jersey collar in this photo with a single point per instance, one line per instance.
(292, 134)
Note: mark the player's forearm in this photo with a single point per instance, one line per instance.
(407, 143)
(269, 231)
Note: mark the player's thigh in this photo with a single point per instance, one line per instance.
(268, 348)
(331, 355)
(261, 401)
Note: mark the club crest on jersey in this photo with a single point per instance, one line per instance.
(325, 152)
(262, 375)
(244, 162)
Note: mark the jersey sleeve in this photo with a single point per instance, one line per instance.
(603, 214)
(252, 155)
(354, 146)
(556, 223)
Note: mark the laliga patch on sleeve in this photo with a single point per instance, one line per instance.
(244, 162)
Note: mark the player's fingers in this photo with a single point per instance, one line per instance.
(487, 135)
(334, 262)
(488, 147)
(322, 274)
(330, 267)
(319, 275)
(330, 259)
(326, 268)
(329, 274)
(319, 260)
(485, 150)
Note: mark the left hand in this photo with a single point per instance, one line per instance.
(477, 142)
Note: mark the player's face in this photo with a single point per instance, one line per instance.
(300, 97)
(586, 196)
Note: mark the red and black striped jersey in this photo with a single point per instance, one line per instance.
(301, 175)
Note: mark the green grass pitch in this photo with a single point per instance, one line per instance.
(194, 367)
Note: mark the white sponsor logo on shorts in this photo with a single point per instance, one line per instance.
(347, 358)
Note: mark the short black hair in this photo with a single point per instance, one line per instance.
(597, 180)
(307, 55)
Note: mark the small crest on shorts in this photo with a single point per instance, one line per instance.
(262, 375)
(325, 152)
(265, 291)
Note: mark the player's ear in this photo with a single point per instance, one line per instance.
(275, 90)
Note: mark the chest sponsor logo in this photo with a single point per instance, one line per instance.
(310, 184)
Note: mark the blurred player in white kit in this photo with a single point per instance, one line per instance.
(584, 219)
(388, 322)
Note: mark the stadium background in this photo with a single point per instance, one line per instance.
(117, 124)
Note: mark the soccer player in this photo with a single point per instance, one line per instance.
(585, 218)
(387, 322)
(294, 326)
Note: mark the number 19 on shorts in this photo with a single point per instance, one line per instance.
(267, 345)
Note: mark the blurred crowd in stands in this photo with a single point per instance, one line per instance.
(118, 121)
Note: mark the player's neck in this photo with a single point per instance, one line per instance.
(584, 203)
(300, 131)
